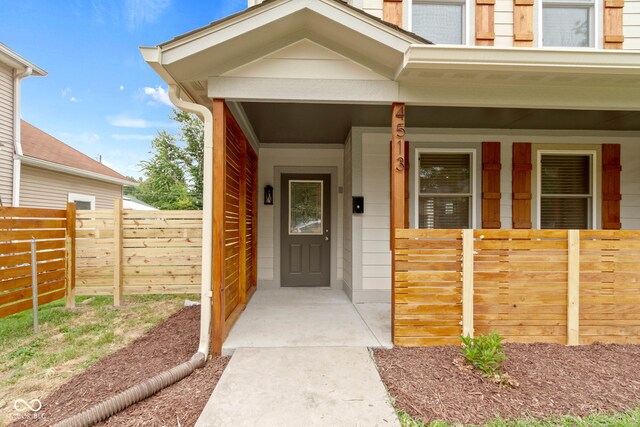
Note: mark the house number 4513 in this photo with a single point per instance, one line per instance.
(400, 133)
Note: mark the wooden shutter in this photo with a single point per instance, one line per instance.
(485, 32)
(392, 12)
(521, 183)
(611, 196)
(523, 23)
(613, 35)
(491, 185)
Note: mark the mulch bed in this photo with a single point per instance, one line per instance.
(168, 344)
(554, 380)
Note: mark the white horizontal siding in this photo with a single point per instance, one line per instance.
(373, 7)
(42, 188)
(376, 259)
(631, 24)
(298, 156)
(6, 134)
(503, 19)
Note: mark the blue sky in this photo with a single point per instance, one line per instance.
(100, 97)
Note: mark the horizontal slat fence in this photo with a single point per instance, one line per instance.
(138, 252)
(17, 228)
(553, 286)
(428, 291)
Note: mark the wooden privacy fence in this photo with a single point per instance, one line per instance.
(138, 252)
(555, 286)
(53, 231)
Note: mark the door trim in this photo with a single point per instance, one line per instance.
(278, 171)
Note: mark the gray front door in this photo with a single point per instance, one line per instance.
(305, 230)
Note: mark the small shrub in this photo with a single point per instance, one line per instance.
(485, 353)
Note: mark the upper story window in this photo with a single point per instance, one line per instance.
(566, 190)
(440, 21)
(568, 23)
(445, 190)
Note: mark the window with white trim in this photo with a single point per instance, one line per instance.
(445, 190)
(83, 202)
(566, 190)
(568, 23)
(440, 21)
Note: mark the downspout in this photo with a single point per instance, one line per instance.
(207, 213)
(153, 385)
(17, 146)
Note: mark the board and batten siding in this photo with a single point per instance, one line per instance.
(371, 168)
(43, 188)
(303, 158)
(7, 130)
(631, 25)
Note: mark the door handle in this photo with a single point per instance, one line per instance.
(326, 237)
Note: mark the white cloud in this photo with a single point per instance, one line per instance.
(139, 12)
(121, 87)
(124, 121)
(74, 99)
(65, 92)
(159, 95)
(131, 137)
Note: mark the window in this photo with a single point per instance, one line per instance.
(568, 23)
(441, 22)
(445, 190)
(83, 202)
(566, 190)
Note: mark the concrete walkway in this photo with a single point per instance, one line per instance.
(298, 317)
(300, 386)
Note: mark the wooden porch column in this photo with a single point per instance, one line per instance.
(218, 254)
(397, 173)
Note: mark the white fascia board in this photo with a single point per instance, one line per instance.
(74, 171)
(578, 61)
(153, 57)
(16, 61)
(475, 94)
(303, 90)
(226, 30)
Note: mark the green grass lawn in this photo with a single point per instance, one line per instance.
(626, 419)
(69, 341)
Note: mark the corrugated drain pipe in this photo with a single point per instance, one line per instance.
(141, 391)
(148, 388)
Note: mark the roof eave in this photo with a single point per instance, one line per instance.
(57, 167)
(18, 62)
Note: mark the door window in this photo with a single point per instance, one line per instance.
(305, 207)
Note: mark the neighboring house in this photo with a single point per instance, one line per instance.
(36, 169)
(13, 69)
(130, 202)
(523, 114)
(53, 173)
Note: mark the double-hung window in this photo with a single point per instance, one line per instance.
(566, 191)
(445, 190)
(568, 23)
(440, 21)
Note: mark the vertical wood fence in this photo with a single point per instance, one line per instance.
(555, 286)
(54, 256)
(122, 252)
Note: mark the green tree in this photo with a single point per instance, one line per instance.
(173, 177)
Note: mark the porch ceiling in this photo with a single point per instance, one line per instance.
(288, 123)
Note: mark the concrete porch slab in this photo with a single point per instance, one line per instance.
(377, 316)
(318, 386)
(300, 317)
